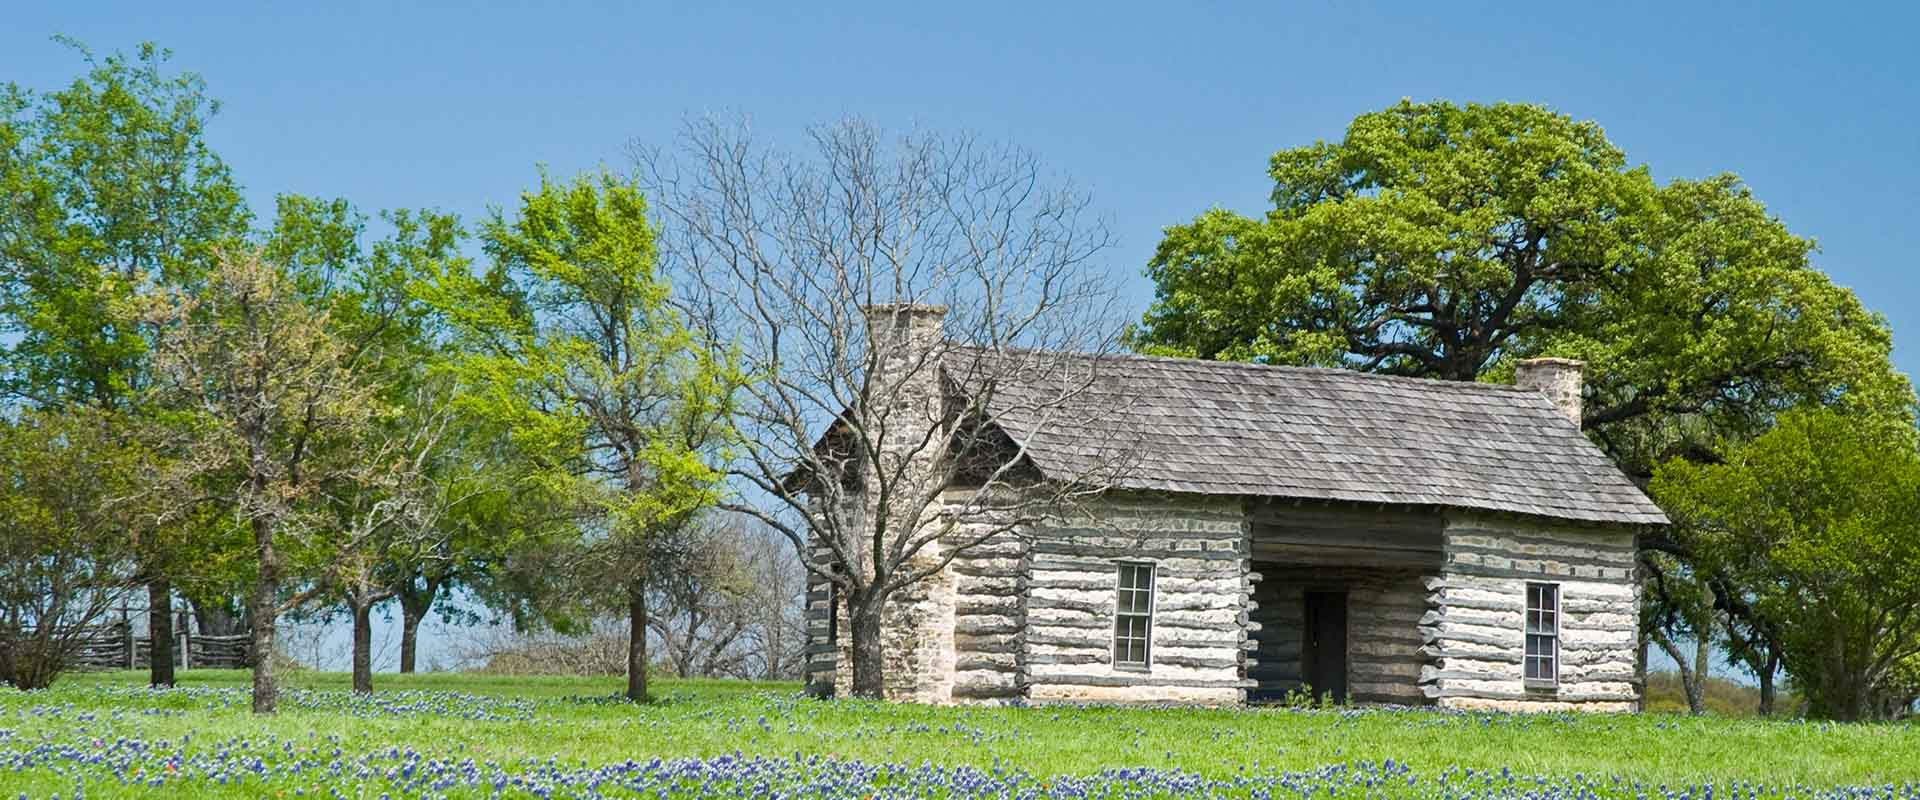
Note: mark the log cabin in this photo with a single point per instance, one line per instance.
(1281, 533)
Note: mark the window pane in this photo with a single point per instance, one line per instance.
(1133, 602)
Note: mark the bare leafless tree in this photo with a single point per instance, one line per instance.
(776, 641)
(701, 610)
(730, 606)
(883, 291)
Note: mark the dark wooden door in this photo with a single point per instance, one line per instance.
(1326, 645)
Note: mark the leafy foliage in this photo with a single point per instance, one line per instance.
(109, 188)
(569, 343)
(1819, 521)
(64, 482)
(1445, 241)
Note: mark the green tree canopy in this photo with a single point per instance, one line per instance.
(570, 343)
(1819, 518)
(1442, 241)
(109, 187)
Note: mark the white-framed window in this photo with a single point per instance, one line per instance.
(1133, 620)
(1543, 633)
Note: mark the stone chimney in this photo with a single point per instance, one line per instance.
(1557, 378)
(905, 384)
(907, 419)
(903, 334)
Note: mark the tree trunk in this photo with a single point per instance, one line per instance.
(1689, 679)
(160, 632)
(413, 609)
(637, 643)
(1766, 673)
(262, 610)
(217, 620)
(1702, 662)
(863, 624)
(409, 640)
(362, 647)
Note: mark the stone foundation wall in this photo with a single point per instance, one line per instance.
(1203, 588)
(1475, 626)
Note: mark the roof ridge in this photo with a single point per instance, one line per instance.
(1252, 366)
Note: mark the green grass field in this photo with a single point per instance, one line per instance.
(105, 735)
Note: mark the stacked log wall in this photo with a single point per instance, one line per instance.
(1475, 626)
(989, 614)
(1203, 590)
(1282, 615)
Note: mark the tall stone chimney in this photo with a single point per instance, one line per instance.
(1557, 378)
(904, 387)
(907, 420)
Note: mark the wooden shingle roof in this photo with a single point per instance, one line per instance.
(1221, 428)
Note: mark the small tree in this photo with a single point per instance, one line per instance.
(829, 273)
(64, 560)
(389, 516)
(1820, 517)
(1680, 607)
(570, 344)
(274, 402)
(504, 511)
(703, 605)
(110, 187)
(366, 291)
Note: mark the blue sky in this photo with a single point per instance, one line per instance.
(1161, 110)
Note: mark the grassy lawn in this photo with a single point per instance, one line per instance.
(460, 735)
